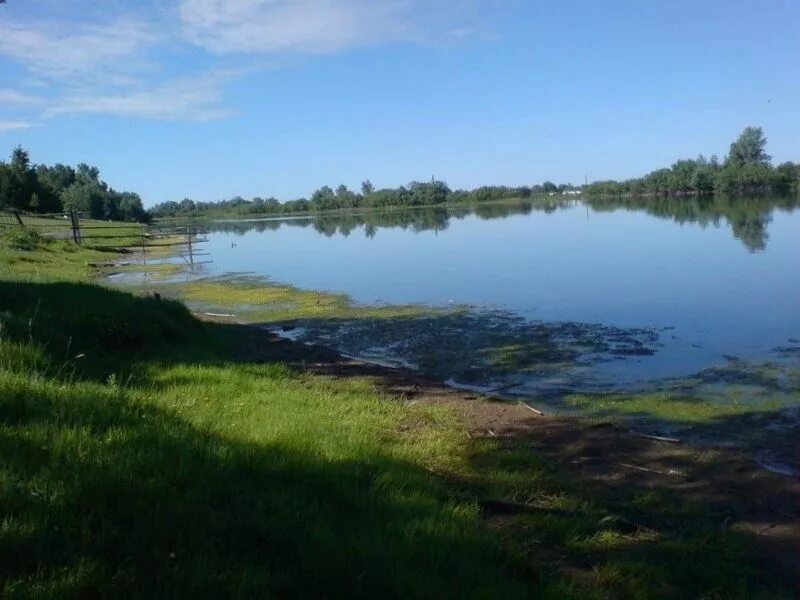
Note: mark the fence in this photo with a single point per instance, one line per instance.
(54, 225)
(152, 240)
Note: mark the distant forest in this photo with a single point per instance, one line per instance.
(432, 193)
(746, 169)
(45, 189)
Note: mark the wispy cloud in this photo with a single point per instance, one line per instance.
(14, 125)
(192, 99)
(70, 50)
(309, 26)
(16, 98)
(120, 62)
(105, 68)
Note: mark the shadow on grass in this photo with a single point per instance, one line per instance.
(103, 492)
(103, 496)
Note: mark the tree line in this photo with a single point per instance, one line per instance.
(60, 188)
(746, 169)
(415, 194)
(40, 188)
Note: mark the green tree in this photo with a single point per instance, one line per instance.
(17, 180)
(749, 149)
(20, 160)
(130, 207)
(323, 198)
(87, 197)
(787, 174)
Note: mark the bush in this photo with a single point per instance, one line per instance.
(20, 238)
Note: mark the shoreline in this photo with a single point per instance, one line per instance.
(605, 456)
(705, 418)
(414, 376)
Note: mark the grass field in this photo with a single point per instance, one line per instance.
(144, 453)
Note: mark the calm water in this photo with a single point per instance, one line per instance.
(708, 279)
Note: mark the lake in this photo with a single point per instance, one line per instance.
(560, 296)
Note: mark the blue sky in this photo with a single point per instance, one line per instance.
(214, 98)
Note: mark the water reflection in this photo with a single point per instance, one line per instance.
(415, 220)
(748, 217)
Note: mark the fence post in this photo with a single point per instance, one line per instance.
(74, 222)
(19, 219)
(144, 249)
(191, 254)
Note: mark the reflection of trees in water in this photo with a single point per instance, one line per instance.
(417, 220)
(748, 217)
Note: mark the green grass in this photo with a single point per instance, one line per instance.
(145, 454)
(95, 233)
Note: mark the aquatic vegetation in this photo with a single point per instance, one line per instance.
(476, 347)
(254, 300)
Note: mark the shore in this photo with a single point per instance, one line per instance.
(605, 458)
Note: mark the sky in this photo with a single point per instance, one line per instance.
(209, 99)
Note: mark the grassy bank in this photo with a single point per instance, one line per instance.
(145, 453)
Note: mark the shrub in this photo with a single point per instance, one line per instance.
(20, 238)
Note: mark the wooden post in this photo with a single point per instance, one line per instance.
(144, 249)
(73, 218)
(19, 219)
(191, 254)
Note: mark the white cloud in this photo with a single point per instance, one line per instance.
(14, 125)
(191, 99)
(17, 98)
(114, 66)
(314, 26)
(69, 50)
(103, 68)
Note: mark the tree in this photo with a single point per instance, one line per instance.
(85, 196)
(51, 182)
(367, 188)
(88, 174)
(186, 205)
(787, 174)
(345, 198)
(20, 160)
(427, 194)
(748, 149)
(323, 198)
(549, 187)
(17, 180)
(130, 208)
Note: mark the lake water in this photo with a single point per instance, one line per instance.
(635, 291)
